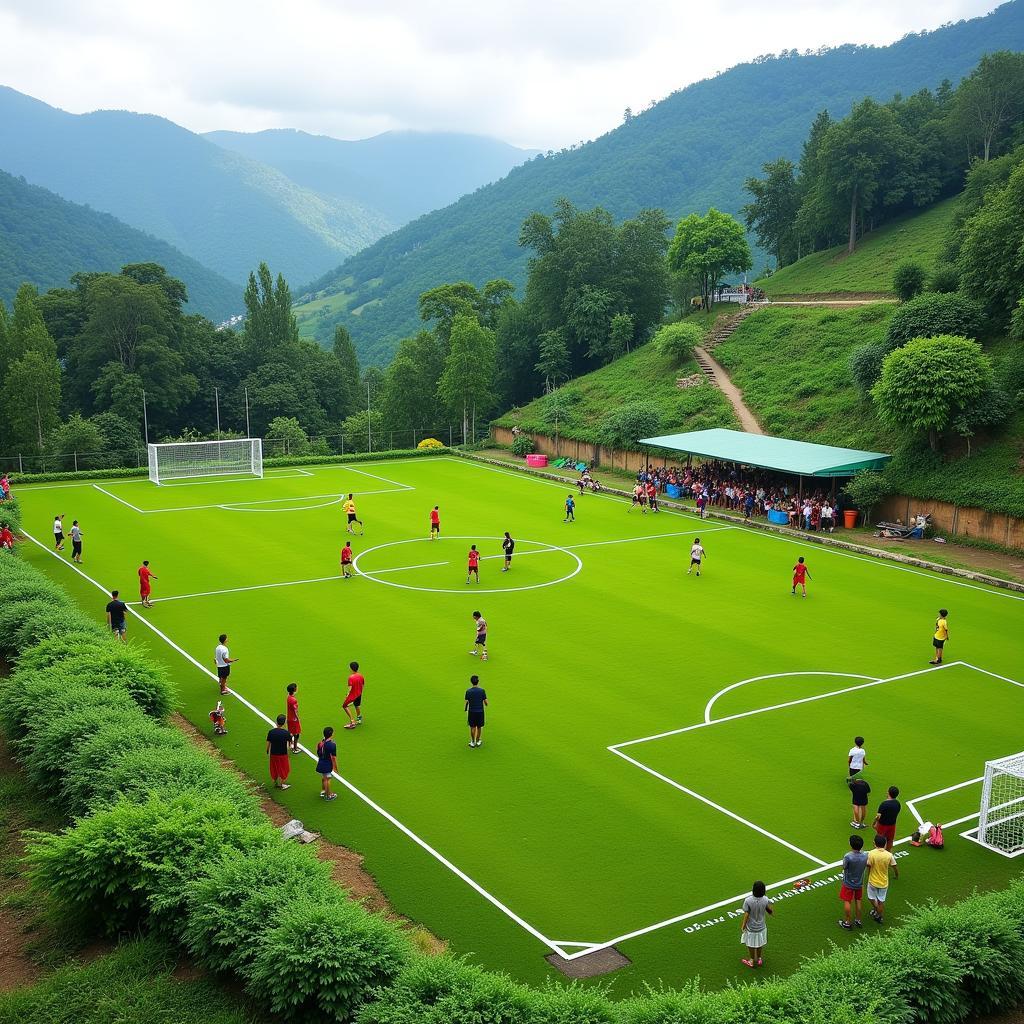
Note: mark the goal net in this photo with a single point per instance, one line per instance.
(1001, 823)
(185, 459)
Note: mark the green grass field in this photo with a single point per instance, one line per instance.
(916, 237)
(654, 741)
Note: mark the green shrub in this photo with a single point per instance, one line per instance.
(55, 650)
(129, 669)
(986, 946)
(908, 280)
(945, 279)
(321, 957)
(229, 904)
(677, 341)
(844, 980)
(14, 611)
(933, 314)
(44, 623)
(167, 771)
(866, 364)
(135, 860)
(447, 990)
(10, 513)
(522, 445)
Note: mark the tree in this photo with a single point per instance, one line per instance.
(553, 361)
(908, 280)
(445, 303)
(80, 442)
(624, 426)
(466, 383)
(345, 353)
(408, 401)
(929, 382)
(772, 214)
(866, 489)
(933, 313)
(620, 335)
(121, 439)
(989, 101)
(589, 318)
(861, 159)
(270, 324)
(363, 430)
(708, 247)
(677, 341)
(31, 400)
(558, 407)
(371, 387)
(287, 437)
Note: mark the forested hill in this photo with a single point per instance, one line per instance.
(45, 239)
(401, 174)
(221, 208)
(690, 151)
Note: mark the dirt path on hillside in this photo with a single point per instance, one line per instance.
(748, 421)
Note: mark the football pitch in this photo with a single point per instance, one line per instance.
(654, 741)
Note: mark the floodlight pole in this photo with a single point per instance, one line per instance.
(369, 436)
(216, 402)
(248, 432)
(145, 417)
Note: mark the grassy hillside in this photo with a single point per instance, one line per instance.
(221, 208)
(690, 151)
(643, 375)
(45, 239)
(869, 268)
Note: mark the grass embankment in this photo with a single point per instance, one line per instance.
(644, 375)
(869, 268)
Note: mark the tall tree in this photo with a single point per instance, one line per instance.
(708, 247)
(270, 324)
(409, 399)
(31, 398)
(345, 353)
(467, 381)
(444, 303)
(772, 213)
(553, 363)
(988, 102)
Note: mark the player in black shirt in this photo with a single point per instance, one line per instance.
(508, 545)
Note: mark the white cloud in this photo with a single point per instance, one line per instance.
(542, 74)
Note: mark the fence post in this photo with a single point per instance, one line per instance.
(342, 444)
(450, 435)
(76, 461)
(414, 437)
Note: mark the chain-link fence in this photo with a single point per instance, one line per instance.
(317, 445)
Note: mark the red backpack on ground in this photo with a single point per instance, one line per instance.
(935, 837)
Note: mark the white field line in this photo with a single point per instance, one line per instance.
(824, 548)
(995, 675)
(302, 472)
(777, 675)
(110, 494)
(243, 506)
(405, 568)
(222, 478)
(940, 792)
(239, 590)
(383, 479)
(615, 747)
(404, 829)
(972, 836)
(718, 807)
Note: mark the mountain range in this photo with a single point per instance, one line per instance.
(227, 200)
(45, 239)
(692, 150)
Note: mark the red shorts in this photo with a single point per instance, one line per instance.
(848, 895)
(294, 728)
(889, 831)
(145, 591)
(280, 766)
(798, 582)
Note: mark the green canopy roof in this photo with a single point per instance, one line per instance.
(779, 453)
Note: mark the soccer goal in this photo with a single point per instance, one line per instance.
(1001, 823)
(186, 459)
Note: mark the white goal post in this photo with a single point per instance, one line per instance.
(1001, 822)
(182, 460)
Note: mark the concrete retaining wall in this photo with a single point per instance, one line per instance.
(954, 521)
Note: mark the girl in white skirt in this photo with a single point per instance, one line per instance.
(754, 929)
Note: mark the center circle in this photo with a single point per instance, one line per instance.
(370, 574)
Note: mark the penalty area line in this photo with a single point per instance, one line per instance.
(354, 790)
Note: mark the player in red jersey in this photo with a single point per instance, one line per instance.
(474, 564)
(800, 576)
(435, 523)
(145, 575)
(346, 561)
(294, 725)
(355, 697)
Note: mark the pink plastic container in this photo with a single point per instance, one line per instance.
(537, 461)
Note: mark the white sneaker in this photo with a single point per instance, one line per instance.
(473, 653)
(471, 743)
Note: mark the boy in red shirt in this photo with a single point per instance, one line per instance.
(294, 726)
(145, 575)
(474, 564)
(6, 537)
(800, 575)
(435, 523)
(346, 561)
(355, 697)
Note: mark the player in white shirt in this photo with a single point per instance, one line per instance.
(697, 553)
(58, 532)
(223, 660)
(857, 758)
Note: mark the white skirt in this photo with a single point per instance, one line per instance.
(754, 940)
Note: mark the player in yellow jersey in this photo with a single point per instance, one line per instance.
(349, 508)
(940, 637)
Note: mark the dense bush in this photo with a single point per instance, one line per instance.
(945, 278)
(10, 513)
(55, 650)
(908, 280)
(866, 364)
(522, 445)
(677, 341)
(932, 314)
(129, 669)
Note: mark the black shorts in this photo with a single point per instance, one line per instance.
(58, 538)
(481, 639)
(476, 719)
(76, 547)
(351, 517)
(938, 644)
(223, 671)
(473, 568)
(435, 527)
(695, 561)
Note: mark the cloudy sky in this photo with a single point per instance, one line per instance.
(541, 73)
